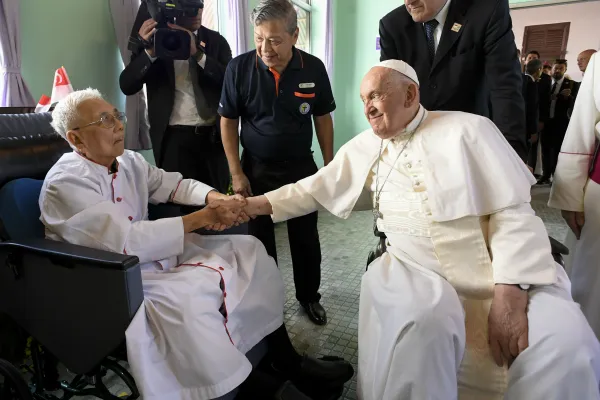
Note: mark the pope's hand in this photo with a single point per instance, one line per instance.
(575, 220)
(507, 323)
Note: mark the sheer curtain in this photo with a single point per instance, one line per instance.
(137, 136)
(237, 26)
(329, 39)
(13, 90)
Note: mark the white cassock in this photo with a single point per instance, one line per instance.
(574, 189)
(180, 345)
(457, 216)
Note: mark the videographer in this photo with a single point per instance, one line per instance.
(183, 95)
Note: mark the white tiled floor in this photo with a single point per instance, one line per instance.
(345, 245)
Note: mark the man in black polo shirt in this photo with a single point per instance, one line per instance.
(278, 91)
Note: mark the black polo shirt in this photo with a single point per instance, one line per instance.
(276, 111)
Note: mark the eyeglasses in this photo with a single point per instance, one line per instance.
(108, 120)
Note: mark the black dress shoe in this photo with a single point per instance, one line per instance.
(329, 371)
(316, 312)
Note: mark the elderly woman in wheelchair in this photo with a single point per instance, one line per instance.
(208, 300)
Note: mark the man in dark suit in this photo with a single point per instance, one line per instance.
(183, 97)
(562, 98)
(533, 70)
(465, 56)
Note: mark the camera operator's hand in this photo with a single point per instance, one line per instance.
(193, 47)
(146, 31)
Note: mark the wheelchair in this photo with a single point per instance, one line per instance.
(73, 302)
(558, 249)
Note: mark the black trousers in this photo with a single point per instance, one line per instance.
(552, 139)
(265, 176)
(196, 153)
(532, 153)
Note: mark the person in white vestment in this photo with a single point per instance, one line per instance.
(467, 302)
(208, 300)
(576, 191)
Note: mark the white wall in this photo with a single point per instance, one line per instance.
(584, 32)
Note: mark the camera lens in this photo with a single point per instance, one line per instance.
(172, 41)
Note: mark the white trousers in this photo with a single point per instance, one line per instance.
(585, 259)
(412, 340)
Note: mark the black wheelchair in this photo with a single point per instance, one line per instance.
(69, 305)
(558, 249)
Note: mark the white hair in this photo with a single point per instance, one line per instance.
(66, 114)
(269, 10)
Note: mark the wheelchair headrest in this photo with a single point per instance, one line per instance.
(29, 147)
(20, 210)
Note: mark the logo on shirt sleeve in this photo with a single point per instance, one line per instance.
(304, 108)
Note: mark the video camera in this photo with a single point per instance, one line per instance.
(172, 43)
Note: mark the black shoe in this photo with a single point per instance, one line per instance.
(288, 391)
(543, 181)
(316, 312)
(330, 371)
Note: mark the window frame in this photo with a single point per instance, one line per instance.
(307, 7)
(215, 5)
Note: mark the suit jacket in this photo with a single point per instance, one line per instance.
(159, 77)
(544, 85)
(564, 105)
(532, 107)
(473, 67)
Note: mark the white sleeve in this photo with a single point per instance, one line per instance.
(170, 186)
(291, 201)
(520, 248)
(77, 213)
(578, 147)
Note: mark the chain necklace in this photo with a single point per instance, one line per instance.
(376, 213)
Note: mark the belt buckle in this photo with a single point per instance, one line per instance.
(197, 129)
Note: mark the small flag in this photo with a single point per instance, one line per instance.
(456, 27)
(62, 85)
(202, 44)
(43, 104)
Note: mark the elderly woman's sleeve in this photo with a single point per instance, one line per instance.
(166, 186)
(77, 213)
(577, 150)
(520, 248)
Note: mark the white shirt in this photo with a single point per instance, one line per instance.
(556, 92)
(184, 105)
(441, 18)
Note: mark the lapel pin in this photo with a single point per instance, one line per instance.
(456, 27)
(202, 44)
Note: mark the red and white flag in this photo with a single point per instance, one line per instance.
(62, 86)
(43, 104)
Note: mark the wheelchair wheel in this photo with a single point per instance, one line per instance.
(12, 385)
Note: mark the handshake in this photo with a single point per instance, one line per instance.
(223, 212)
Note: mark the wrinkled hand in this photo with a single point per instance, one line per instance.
(223, 214)
(146, 31)
(241, 185)
(575, 220)
(193, 48)
(507, 323)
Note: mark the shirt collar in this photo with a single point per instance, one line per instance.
(297, 62)
(114, 168)
(414, 124)
(443, 14)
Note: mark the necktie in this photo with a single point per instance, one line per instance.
(553, 88)
(429, 29)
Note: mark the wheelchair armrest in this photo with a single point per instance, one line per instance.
(558, 247)
(76, 301)
(69, 255)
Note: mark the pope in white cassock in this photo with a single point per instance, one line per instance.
(208, 300)
(576, 191)
(467, 302)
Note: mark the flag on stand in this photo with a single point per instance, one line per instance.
(43, 104)
(62, 86)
